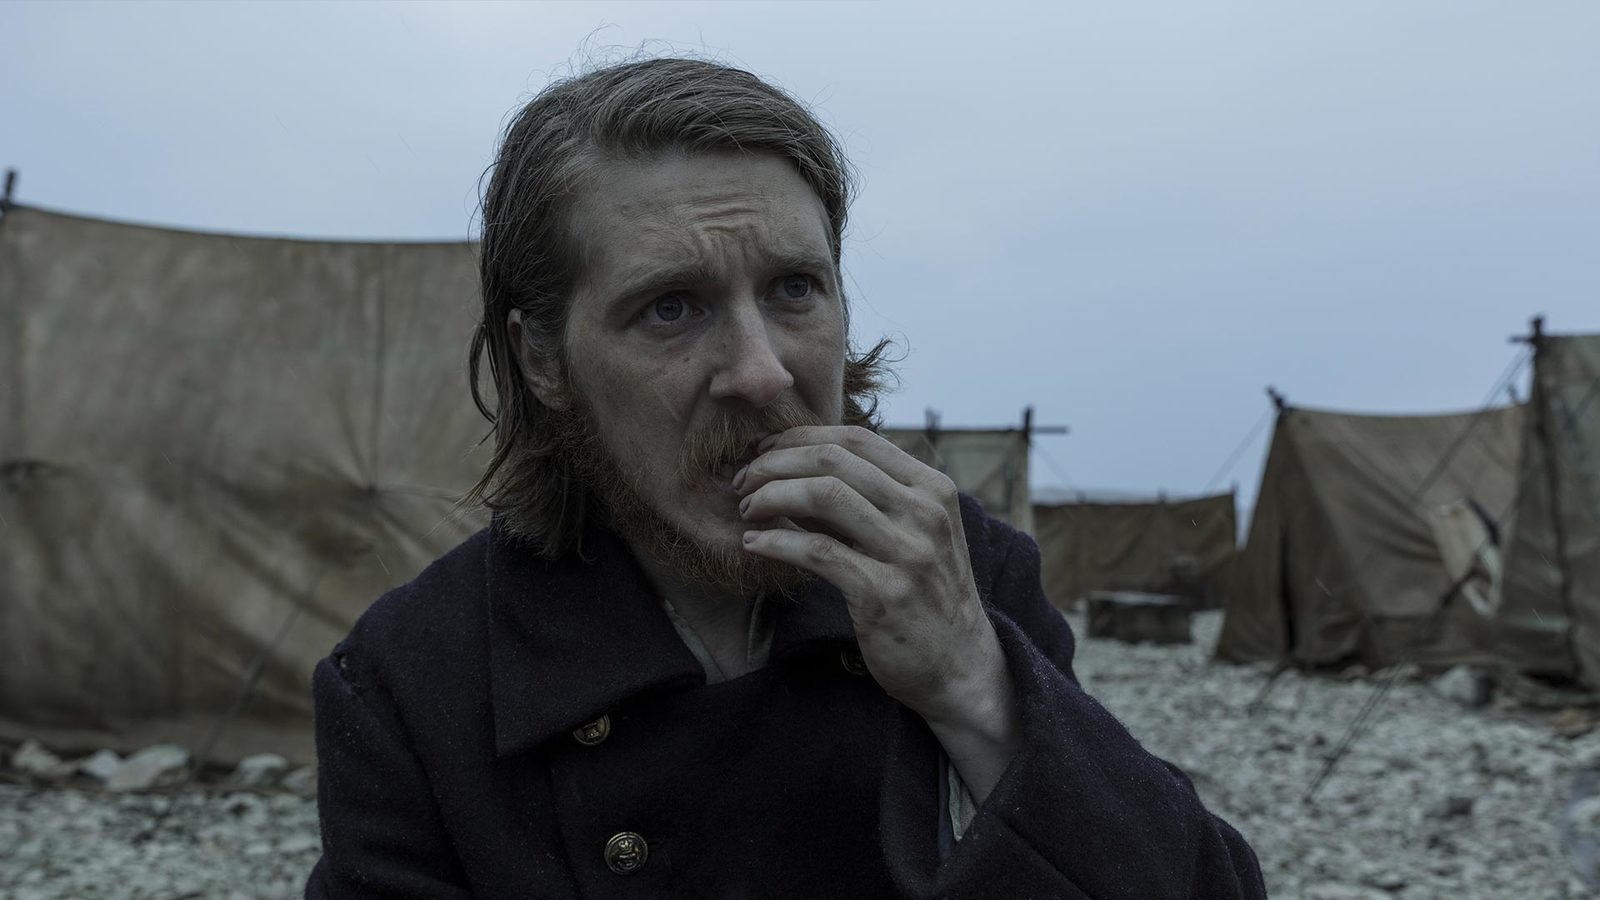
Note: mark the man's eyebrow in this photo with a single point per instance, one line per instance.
(803, 261)
(647, 280)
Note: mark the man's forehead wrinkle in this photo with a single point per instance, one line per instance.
(706, 250)
(649, 227)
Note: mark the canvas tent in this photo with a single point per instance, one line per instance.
(1375, 539)
(215, 452)
(1549, 621)
(991, 464)
(1160, 545)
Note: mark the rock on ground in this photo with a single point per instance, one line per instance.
(1434, 801)
(101, 765)
(151, 767)
(260, 770)
(35, 761)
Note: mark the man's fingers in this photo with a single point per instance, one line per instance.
(847, 569)
(868, 480)
(823, 499)
(898, 464)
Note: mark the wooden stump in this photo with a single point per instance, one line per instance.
(1134, 617)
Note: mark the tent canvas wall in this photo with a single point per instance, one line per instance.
(989, 464)
(1550, 617)
(1137, 546)
(215, 452)
(1345, 561)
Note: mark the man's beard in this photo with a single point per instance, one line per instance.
(727, 568)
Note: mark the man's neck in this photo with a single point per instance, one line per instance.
(721, 620)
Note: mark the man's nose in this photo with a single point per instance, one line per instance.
(750, 369)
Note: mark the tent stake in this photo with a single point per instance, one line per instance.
(5, 198)
(1272, 679)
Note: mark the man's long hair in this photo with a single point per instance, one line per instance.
(531, 257)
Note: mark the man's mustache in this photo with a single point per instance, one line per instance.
(731, 437)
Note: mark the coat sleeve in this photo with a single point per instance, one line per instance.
(1082, 811)
(382, 835)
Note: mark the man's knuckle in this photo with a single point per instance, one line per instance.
(857, 438)
(904, 590)
(820, 549)
(928, 513)
(831, 458)
(835, 493)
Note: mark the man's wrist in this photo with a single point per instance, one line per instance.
(978, 721)
(978, 692)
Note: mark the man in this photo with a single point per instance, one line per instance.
(720, 640)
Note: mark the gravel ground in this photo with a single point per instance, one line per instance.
(1435, 801)
(80, 844)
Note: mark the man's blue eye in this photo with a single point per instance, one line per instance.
(669, 308)
(796, 287)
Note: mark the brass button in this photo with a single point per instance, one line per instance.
(626, 853)
(853, 662)
(594, 732)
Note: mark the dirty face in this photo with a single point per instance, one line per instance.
(708, 315)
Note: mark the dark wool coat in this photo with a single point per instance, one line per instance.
(450, 766)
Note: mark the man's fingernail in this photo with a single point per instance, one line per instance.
(738, 477)
(749, 537)
(744, 505)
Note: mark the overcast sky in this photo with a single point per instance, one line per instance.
(1133, 216)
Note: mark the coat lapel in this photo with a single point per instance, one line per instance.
(571, 640)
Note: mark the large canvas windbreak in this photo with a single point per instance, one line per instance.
(215, 452)
(1550, 618)
(1158, 545)
(989, 464)
(1376, 539)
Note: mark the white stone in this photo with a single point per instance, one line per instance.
(151, 767)
(33, 759)
(1587, 756)
(1585, 815)
(100, 764)
(303, 781)
(260, 770)
(1469, 686)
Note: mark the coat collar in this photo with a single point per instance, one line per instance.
(570, 640)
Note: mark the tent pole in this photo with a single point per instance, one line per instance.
(1023, 507)
(1541, 424)
(930, 433)
(1078, 538)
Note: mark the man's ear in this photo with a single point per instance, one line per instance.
(541, 374)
